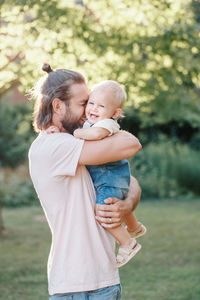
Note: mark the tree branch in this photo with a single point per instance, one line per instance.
(8, 86)
(10, 59)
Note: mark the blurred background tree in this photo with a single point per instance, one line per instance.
(149, 46)
(14, 143)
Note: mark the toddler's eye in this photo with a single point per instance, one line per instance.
(90, 102)
(102, 105)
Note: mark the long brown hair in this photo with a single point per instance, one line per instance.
(56, 84)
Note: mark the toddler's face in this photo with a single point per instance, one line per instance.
(101, 105)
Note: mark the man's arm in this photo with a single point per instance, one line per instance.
(110, 216)
(119, 146)
(91, 133)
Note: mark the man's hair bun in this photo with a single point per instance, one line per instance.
(47, 68)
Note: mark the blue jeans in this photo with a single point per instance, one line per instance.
(110, 180)
(104, 192)
(108, 293)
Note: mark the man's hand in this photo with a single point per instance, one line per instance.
(112, 214)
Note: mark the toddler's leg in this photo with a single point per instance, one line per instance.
(131, 222)
(121, 235)
(135, 228)
(128, 245)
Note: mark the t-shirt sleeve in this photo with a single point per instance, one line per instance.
(109, 124)
(65, 154)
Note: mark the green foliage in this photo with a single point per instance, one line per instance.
(195, 141)
(15, 134)
(183, 132)
(167, 170)
(18, 193)
(152, 47)
(15, 138)
(187, 171)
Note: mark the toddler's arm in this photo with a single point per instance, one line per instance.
(91, 133)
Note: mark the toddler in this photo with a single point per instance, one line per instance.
(103, 109)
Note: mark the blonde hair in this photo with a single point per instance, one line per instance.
(114, 88)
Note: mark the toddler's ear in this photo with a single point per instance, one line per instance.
(117, 113)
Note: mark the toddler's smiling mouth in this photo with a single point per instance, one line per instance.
(93, 116)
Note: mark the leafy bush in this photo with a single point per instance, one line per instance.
(15, 134)
(18, 192)
(188, 169)
(167, 170)
(163, 170)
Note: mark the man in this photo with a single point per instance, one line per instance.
(81, 263)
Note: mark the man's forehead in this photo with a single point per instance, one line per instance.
(80, 92)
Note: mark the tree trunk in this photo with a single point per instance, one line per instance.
(2, 228)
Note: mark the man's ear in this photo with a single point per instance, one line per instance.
(117, 113)
(57, 105)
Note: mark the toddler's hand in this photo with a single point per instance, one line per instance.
(76, 133)
(52, 129)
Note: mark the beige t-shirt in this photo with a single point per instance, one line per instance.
(82, 253)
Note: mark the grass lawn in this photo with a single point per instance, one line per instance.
(167, 267)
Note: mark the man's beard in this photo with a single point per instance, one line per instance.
(69, 123)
